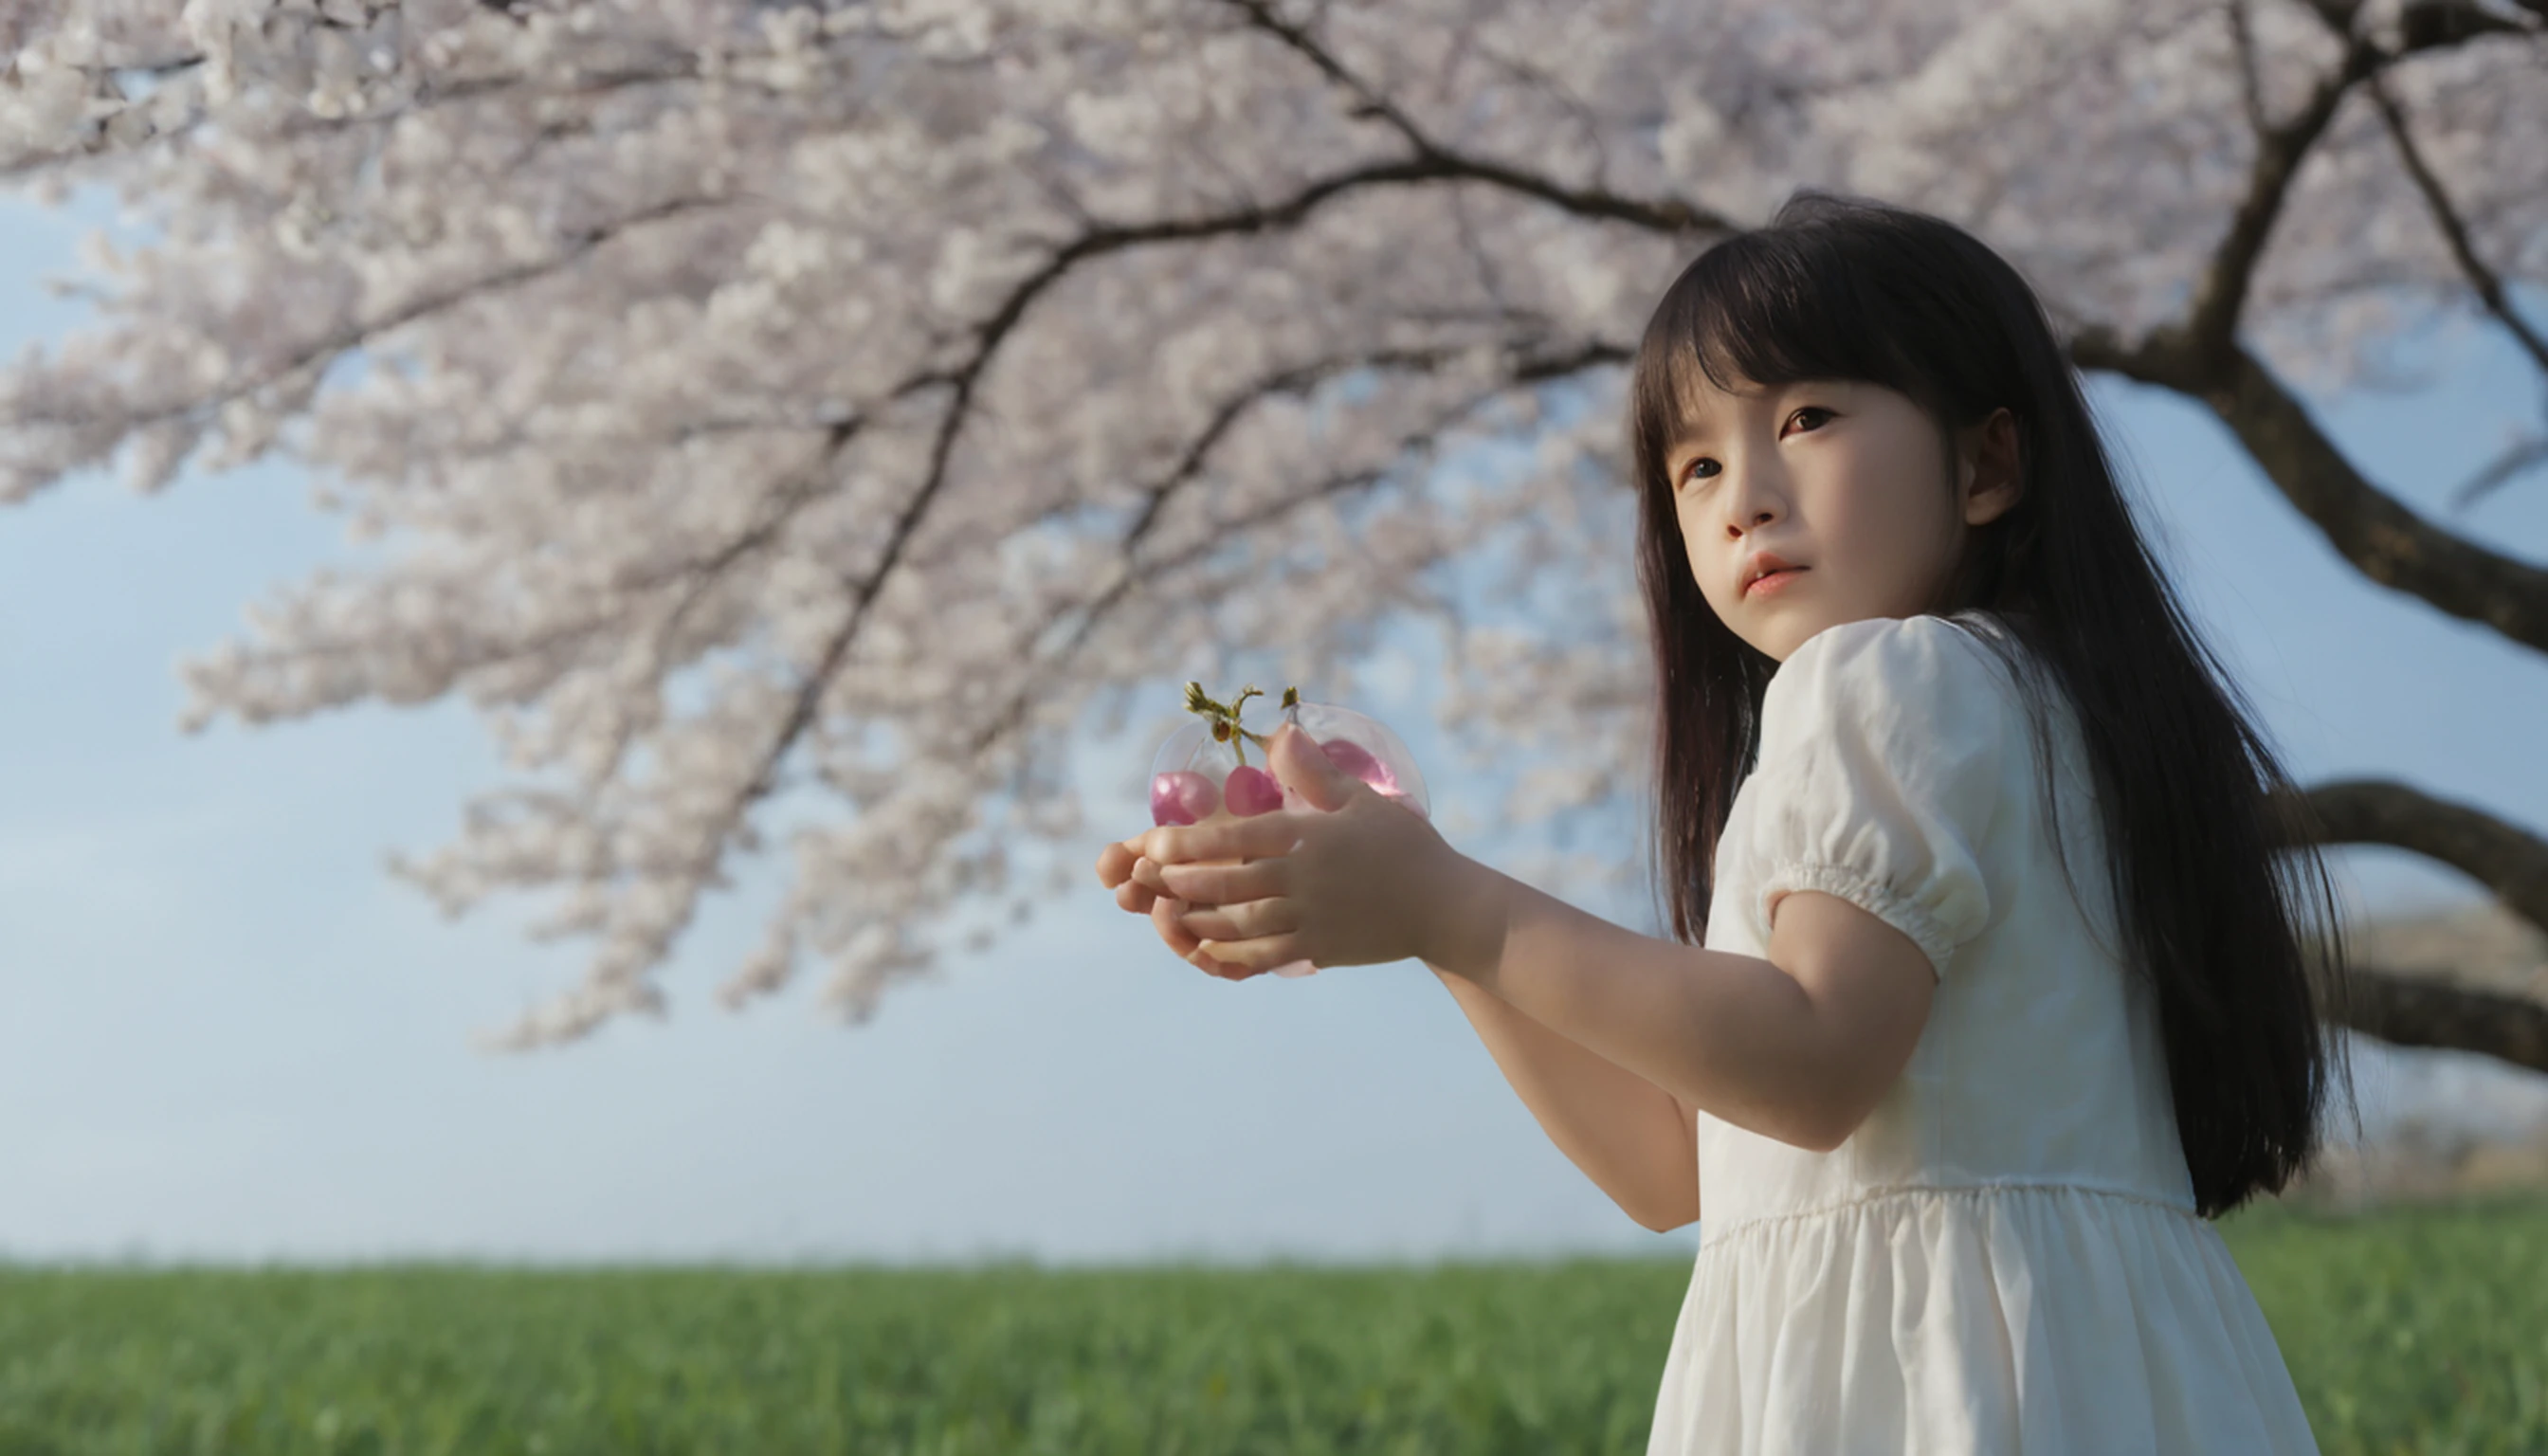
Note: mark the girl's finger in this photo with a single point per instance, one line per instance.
(1147, 872)
(1137, 898)
(1165, 917)
(1113, 863)
(1244, 922)
(1260, 954)
(1259, 838)
(1225, 884)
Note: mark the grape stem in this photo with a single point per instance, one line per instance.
(1224, 717)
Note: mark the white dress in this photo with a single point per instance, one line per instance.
(2005, 1256)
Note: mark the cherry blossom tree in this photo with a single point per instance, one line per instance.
(792, 426)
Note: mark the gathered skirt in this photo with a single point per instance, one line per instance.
(2033, 1318)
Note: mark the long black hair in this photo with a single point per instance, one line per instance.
(2212, 851)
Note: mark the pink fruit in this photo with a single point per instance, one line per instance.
(1357, 760)
(1250, 790)
(1204, 765)
(1182, 798)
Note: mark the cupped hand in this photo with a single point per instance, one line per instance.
(1353, 879)
(1139, 889)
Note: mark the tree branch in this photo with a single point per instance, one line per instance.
(1132, 575)
(362, 332)
(2519, 457)
(2251, 87)
(2489, 286)
(705, 572)
(2427, 1011)
(2386, 541)
(962, 379)
(2423, 1010)
(2201, 356)
(996, 327)
(2209, 332)
(2382, 538)
(1668, 216)
(2211, 326)
(2509, 861)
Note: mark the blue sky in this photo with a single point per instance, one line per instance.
(226, 1034)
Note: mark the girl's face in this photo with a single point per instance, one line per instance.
(1843, 480)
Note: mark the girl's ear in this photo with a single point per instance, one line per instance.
(1986, 454)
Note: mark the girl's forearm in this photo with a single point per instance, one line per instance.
(1732, 1035)
(1625, 1133)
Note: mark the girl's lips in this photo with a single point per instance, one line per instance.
(1764, 585)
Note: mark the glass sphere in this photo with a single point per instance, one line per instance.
(1196, 779)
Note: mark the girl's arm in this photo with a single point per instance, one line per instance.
(1799, 1047)
(1636, 1141)
(1629, 1136)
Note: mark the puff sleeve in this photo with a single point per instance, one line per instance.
(1883, 748)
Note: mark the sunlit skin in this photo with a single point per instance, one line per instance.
(1849, 480)
(1843, 478)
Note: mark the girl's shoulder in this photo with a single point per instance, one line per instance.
(1911, 661)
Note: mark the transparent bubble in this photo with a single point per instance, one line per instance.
(1196, 779)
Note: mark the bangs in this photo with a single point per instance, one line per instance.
(1775, 307)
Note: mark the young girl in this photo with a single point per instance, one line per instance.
(1960, 1114)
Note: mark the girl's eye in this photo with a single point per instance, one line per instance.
(1702, 469)
(1811, 417)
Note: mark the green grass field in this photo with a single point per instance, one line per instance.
(2407, 1331)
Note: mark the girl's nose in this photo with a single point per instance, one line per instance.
(1752, 507)
(1755, 494)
